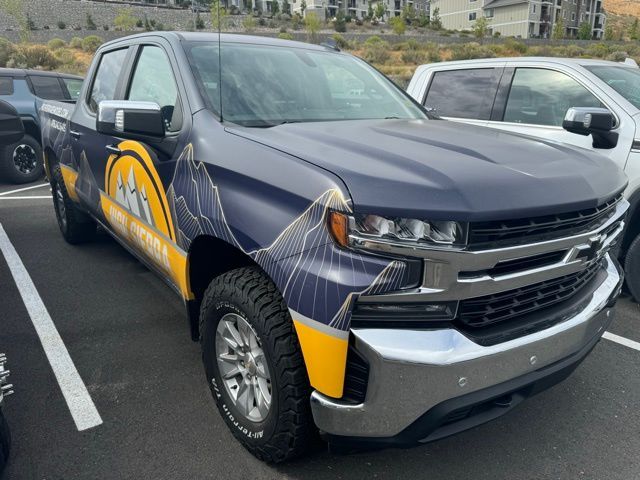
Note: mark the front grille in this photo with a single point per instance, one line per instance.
(492, 309)
(511, 232)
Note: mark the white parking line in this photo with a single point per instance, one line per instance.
(3, 194)
(27, 197)
(81, 406)
(621, 340)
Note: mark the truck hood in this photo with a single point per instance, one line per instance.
(444, 170)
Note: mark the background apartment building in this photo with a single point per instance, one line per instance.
(358, 8)
(523, 18)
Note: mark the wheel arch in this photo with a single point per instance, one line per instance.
(633, 223)
(207, 258)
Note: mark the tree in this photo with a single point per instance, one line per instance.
(303, 7)
(558, 30)
(91, 25)
(370, 11)
(199, 22)
(584, 31)
(275, 7)
(340, 23)
(436, 22)
(409, 14)
(379, 11)
(481, 28)
(286, 7)
(398, 25)
(248, 4)
(218, 13)
(634, 30)
(125, 21)
(312, 25)
(609, 33)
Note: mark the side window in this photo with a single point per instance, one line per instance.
(542, 97)
(463, 93)
(73, 86)
(106, 78)
(6, 86)
(48, 88)
(153, 81)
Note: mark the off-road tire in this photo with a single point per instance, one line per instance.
(5, 441)
(288, 430)
(632, 268)
(8, 170)
(76, 226)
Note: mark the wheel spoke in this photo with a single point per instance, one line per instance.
(261, 403)
(263, 388)
(232, 373)
(229, 357)
(261, 365)
(236, 338)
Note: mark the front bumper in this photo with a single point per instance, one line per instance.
(427, 384)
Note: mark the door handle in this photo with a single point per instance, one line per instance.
(113, 150)
(75, 134)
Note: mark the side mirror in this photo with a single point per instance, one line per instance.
(597, 122)
(123, 118)
(11, 127)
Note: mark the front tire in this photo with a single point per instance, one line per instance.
(22, 162)
(75, 226)
(254, 365)
(632, 268)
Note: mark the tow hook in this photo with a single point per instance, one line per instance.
(6, 388)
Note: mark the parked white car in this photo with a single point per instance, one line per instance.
(532, 95)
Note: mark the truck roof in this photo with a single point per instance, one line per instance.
(225, 37)
(21, 72)
(562, 61)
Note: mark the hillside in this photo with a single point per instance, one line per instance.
(623, 7)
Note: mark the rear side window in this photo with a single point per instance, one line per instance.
(106, 78)
(48, 88)
(463, 93)
(73, 86)
(6, 86)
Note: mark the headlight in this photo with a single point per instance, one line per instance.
(396, 230)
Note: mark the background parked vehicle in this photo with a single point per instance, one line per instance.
(21, 161)
(531, 96)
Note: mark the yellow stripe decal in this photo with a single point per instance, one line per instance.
(70, 176)
(150, 242)
(325, 354)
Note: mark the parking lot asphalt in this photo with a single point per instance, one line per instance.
(127, 335)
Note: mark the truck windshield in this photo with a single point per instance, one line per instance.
(265, 86)
(624, 80)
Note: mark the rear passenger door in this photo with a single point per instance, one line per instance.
(463, 94)
(535, 99)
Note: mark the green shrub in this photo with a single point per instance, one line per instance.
(415, 57)
(56, 43)
(285, 36)
(76, 42)
(467, 51)
(33, 56)
(61, 25)
(249, 23)
(513, 44)
(376, 50)
(341, 42)
(618, 56)
(6, 51)
(91, 43)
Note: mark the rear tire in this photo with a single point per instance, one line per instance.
(632, 268)
(249, 301)
(75, 225)
(22, 162)
(5, 441)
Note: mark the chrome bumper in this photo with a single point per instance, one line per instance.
(412, 371)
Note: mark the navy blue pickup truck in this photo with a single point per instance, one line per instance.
(349, 264)
(21, 160)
